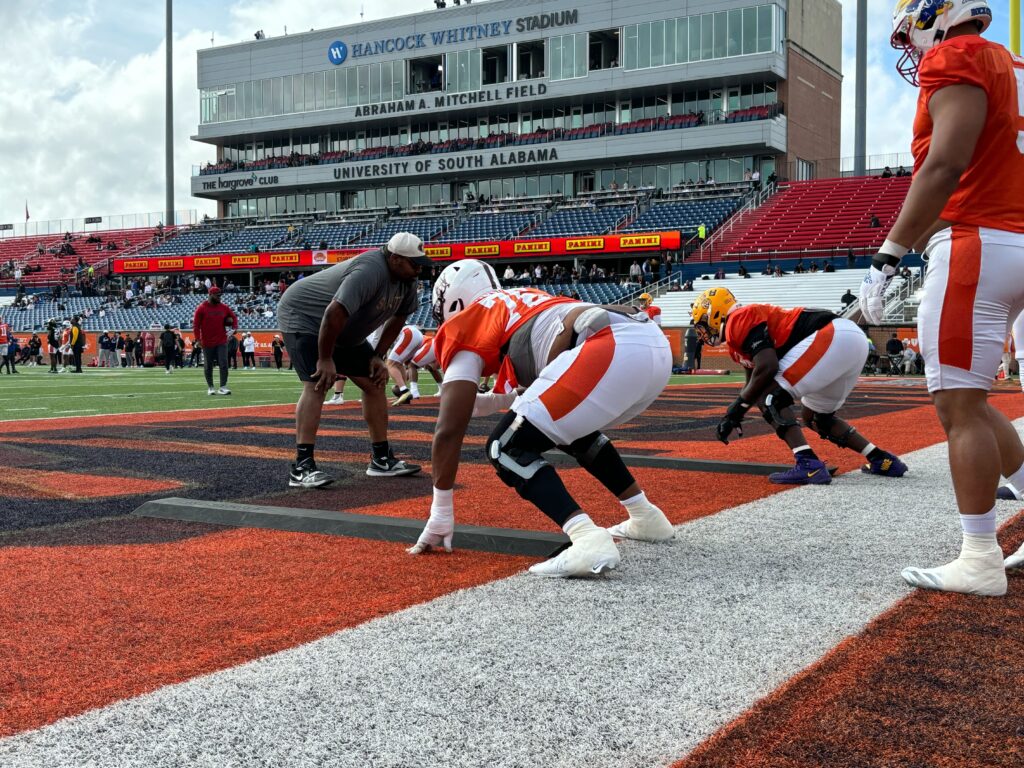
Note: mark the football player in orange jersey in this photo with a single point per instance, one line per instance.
(966, 208)
(567, 370)
(788, 355)
(647, 305)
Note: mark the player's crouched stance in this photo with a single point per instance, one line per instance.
(578, 369)
(790, 355)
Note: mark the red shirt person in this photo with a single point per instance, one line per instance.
(211, 321)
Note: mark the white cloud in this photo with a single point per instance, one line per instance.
(891, 102)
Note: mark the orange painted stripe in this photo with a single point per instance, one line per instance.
(579, 380)
(956, 325)
(40, 483)
(810, 358)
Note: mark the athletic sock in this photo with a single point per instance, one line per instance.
(578, 526)
(872, 452)
(979, 533)
(380, 450)
(633, 503)
(414, 388)
(805, 452)
(304, 453)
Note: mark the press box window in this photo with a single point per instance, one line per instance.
(530, 59)
(604, 49)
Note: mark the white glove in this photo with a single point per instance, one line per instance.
(440, 525)
(876, 281)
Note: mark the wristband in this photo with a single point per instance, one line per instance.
(738, 407)
(893, 251)
(443, 498)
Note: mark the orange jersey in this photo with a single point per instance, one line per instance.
(991, 190)
(5, 334)
(486, 325)
(785, 329)
(654, 313)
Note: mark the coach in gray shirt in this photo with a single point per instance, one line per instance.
(325, 319)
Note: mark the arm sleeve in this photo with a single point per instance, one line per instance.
(757, 340)
(465, 366)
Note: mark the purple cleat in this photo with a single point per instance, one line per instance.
(887, 466)
(1006, 493)
(806, 472)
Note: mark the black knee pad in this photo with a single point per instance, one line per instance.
(824, 423)
(515, 449)
(596, 454)
(774, 402)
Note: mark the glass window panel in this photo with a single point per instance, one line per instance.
(695, 25)
(568, 56)
(364, 84)
(581, 54)
(374, 83)
(765, 14)
(750, 30)
(721, 34)
(253, 99)
(450, 63)
(275, 97)
(330, 89)
(310, 103)
(644, 46)
(633, 176)
(555, 58)
(649, 176)
(318, 89)
(630, 58)
(707, 36)
(682, 40)
(670, 41)
(398, 80)
(352, 87)
(735, 43)
(475, 69)
(298, 98)
(657, 43)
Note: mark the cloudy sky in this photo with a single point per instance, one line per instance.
(81, 100)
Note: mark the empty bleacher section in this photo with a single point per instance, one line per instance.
(332, 234)
(489, 226)
(190, 241)
(817, 215)
(685, 216)
(259, 238)
(582, 220)
(426, 227)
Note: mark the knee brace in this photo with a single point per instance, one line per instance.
(516, 449)
(774, 403)
(596, 454)
(824, 423)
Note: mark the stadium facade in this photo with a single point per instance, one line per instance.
(419, 109)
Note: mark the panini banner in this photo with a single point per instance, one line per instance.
(645, 242)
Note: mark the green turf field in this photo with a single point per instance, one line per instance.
(34, 393)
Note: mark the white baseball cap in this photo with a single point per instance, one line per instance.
(410, 246)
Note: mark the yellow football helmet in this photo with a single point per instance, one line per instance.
(645, 300)
(709, 311)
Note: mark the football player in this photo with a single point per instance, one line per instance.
(568, 370)
(965, 207)
(789, 355)
(425, 359)
(647, 305)
(406, 345)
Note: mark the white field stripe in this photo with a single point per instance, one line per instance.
(167, 394)
(213, 412)
(632, 670)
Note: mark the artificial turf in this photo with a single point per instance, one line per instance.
(36, 393)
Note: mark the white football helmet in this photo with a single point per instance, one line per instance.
(920, 25)
(459, 285)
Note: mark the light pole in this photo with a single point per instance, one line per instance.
(169, 124)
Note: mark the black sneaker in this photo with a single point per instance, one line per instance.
(306, 475)
(404, 396)
(389, 466)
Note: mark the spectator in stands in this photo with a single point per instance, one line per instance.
(875, 223)
(211, 320)
(747, 175)
(778, 272)
(901, 172)
(814, 267)
(756, 179)
(648, 273)
(742, 271)
(772, 178)
(635, 273)
(909, 359)
(524, 278)
(848, 298)
(799, 269)
(168, 347)
(887, 173)
(893, 346)
(851, 258)
(829, 266)
(720, 273)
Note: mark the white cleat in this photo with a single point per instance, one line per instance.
(336, 400)
(981, 574)
(645, 524)
(223, 391)
(592, 554)
(211, 391)
(1015, 561)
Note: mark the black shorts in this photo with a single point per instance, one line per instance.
(303, 349)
